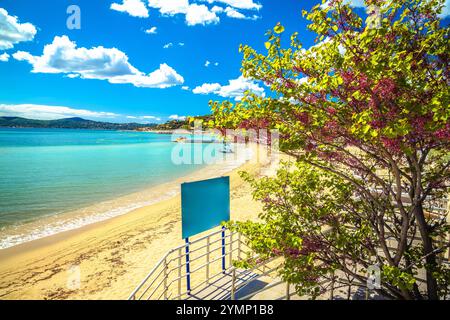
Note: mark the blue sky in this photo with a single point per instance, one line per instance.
(133, 60)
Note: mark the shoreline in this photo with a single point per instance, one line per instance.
(162, 192)
(113, 255)
(106, 209)
(110, 208)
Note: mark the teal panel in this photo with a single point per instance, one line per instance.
(204, 205)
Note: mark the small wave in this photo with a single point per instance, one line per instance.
(75, 223)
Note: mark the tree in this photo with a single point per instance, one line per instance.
(365, 114)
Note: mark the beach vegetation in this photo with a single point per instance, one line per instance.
(364, 113)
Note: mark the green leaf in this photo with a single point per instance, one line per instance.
(278, 28)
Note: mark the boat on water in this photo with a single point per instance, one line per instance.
(180, 139)
(194, 140)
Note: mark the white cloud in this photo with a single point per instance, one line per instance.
(144, 118)
(111, 64)
(13, 32)
(217, 9)
(185, 87)
(173, 7)
(208, 63)
(46, 112)
(356, 3)
(351, 3)
(177, 117)
(152, 30)
(162, 78)
(207, 88)
(4, 57)
(302, 80)
(169, 7)
(194, 14)
(360, 4)
(239, 4)
(135, 8)
(170, 45)
(150, 118)
(200, 14)
(233, 13)
(235, 88)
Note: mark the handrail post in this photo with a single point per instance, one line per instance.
(188, 273)
(223, 249)
(166, 267)
(179, 273)
(239, 246)
(288, 291)
(231, 249)
(233, 284)
(208, 250)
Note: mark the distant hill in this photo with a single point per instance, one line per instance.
(70, 123)
(178, 124)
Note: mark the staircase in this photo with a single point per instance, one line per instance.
(203, 270)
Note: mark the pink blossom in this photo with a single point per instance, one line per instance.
(332, 111)
(386, 89)
(303, 117)
(443, 133)
(393, 145)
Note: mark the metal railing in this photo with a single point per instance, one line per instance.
(211, 257)
(207, 256)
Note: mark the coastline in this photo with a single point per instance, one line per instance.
(107, 209)
(113, 255)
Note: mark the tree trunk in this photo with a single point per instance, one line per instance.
(416, 292)
(432, 288)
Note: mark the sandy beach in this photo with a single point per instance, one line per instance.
(112, 256)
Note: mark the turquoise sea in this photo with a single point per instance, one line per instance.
(45, 173)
